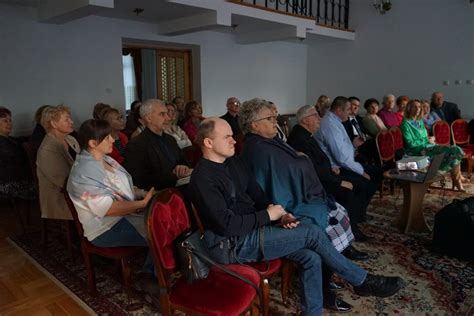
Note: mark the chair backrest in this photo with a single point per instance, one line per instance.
(397, 137)
(166, 219)
(385, 146)
(72, 209)
(460, 132)
(441, 132)
(197, 218)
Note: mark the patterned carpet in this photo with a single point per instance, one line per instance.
(435, 284)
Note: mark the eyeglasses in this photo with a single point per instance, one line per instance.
(272, 118)
(314, 114)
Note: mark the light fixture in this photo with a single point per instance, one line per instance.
(382, 5)
(137, 11)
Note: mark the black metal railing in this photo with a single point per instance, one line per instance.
(334, 13)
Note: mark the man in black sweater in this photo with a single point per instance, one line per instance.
(236, 212)
(350, 193)
(153, 158)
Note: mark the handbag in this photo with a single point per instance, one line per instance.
(192, 266)
(195, 262)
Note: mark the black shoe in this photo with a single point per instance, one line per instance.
(354, 254)
(333, 286)
(380, 286)
(335, 304)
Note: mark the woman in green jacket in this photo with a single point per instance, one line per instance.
(417, 143)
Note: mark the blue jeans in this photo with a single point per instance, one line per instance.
(308, 246)
(123, 234)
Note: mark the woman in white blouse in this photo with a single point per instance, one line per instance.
(103, 193)
(174, 130)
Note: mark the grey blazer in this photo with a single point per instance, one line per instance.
(53, 165)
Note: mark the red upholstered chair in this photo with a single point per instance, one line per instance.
(397, 137)
(218, 294)
(441, 132)
(386, 149)
(121, 254)
(461, 137)
(273, 267)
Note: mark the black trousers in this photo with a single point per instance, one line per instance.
(364, 188)
(354, 201)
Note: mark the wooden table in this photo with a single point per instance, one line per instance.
(412, 219)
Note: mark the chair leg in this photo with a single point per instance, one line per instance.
(90, 274)
(254, 311)
(285, 280)
(470, 164)
(18, 212)
(265, 296)
(44, 233)
(126, 272)
(68, 231)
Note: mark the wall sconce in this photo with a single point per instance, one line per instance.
(382, 5)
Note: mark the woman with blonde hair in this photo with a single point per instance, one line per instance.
(174, 130)
(54, 161)
(417, 143)
(323, 104)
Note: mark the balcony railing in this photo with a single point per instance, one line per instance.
(333, 13)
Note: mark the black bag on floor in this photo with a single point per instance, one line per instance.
(453, 232)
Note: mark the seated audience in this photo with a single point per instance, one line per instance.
(417, 143)
(103, 193)
(366, 152)
(117, 124)
(447, 111)
(39, 131)
(55, 158)
(401, 102)
(235, 212)
(351, 195)
(334, 141)
(98, 108)
(131, 123)
(232, 115)
(322, 104)
(192, 119)
(429, 117)
(389, 118)
(153, 158)
(15, 176)
(372, 122)
(139, 122)
(289, 178)
(280, 130)
(174, 130)
(180, 105)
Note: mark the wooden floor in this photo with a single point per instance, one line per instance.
(25, 290)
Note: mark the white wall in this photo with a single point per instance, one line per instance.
(410, 50)
(80, 64)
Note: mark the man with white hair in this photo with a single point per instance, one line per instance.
(153, 158)
(350, 193)
(389, 118)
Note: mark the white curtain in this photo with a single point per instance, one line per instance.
(129, 81)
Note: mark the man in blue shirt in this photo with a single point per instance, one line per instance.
(336, 144)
